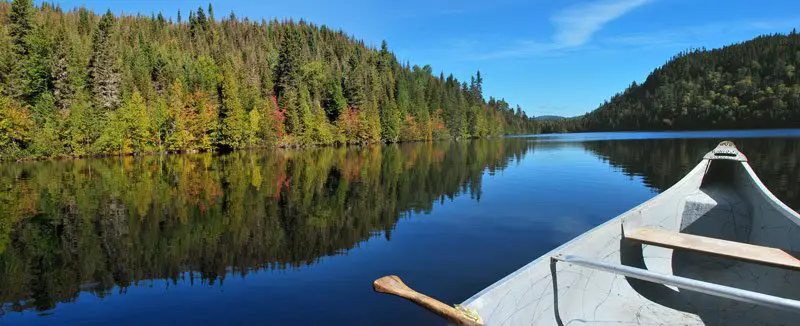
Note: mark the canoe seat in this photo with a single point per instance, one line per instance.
(729, 249)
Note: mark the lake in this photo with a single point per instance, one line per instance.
(297, 237)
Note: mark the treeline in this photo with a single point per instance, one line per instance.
(74, 83)
(95, 224)
(754, 84)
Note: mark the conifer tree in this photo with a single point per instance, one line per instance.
(287, 76)
(21, 26)
(334, 99)
(103, 73)
(233, 116)
(178, 136)
(84, 26)
(63, 89)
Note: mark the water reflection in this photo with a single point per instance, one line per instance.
(100, 223)
(662, 162)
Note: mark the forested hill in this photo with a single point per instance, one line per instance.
(754, 84)
(75, 83)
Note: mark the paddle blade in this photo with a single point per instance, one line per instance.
(391, 284)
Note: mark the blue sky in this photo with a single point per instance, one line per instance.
(551, 57)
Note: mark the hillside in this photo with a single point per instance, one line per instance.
(548, 117)
(754, 84)
(74, 83)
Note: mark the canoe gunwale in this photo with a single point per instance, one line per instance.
(769, 197)
(686, 283)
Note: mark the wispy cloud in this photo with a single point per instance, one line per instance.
(576, 25)
(697, 36)
(576, 28)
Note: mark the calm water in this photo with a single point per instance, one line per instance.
(296, 237)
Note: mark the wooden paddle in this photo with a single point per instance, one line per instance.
(394, 285)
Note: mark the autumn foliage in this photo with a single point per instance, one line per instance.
(76, 83)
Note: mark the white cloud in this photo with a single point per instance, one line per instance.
(576, 25)
(705, 35)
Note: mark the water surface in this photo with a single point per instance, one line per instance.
(296, 237)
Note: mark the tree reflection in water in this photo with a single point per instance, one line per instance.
(95, 224)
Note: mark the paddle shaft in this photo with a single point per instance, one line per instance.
(393, 285)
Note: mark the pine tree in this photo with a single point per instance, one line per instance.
(198, 22)
(289, 104)
(160, 20)
(159, 120)
(288, 70)
(390, 122)
(21, 26)
(21, 21)
(478, 87)
(84, 26)
(63, 90)
(103, 72)
(234, 123)
(334, 99)
(355, 84)
(288, 75)
(37, 65)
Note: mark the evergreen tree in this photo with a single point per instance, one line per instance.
(37, 64)
(390, 122)
(288, 70)
(85, 25)
(287, 76)
(21, 26)
(355, 84)
(334, 98)
(103, 74)
(63, 89)
(233, 116)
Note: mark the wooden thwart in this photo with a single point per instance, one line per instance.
(730, 249)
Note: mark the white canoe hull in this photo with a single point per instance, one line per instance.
(720, 198)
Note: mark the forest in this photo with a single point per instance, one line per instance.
(75, 83)
(750, 85)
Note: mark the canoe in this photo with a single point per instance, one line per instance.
(717, 248)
